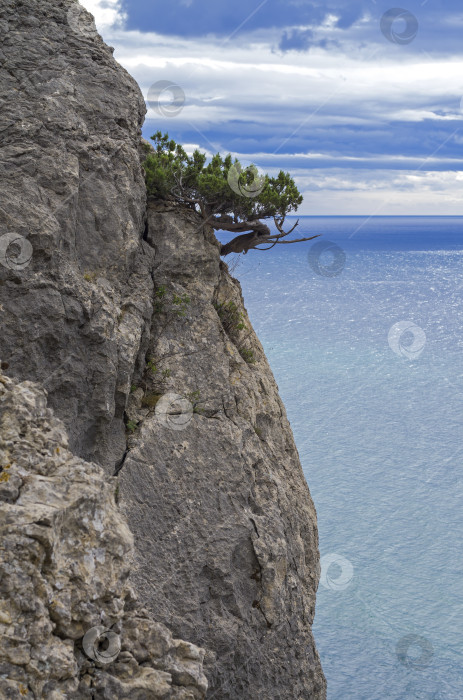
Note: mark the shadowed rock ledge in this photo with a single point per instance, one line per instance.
(126, 315)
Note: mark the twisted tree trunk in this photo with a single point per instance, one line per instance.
(259, 233)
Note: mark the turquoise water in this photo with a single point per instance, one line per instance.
(366, 345)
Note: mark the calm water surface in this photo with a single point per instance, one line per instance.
(365, 340)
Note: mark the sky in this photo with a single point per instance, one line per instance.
(360, 101)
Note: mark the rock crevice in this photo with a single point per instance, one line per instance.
(125, 314)
(212, 488)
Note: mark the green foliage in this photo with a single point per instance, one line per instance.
(159, 295)
(90, 276)
(230, 316)
(232, 320)
(146, 147)
(247, 355)
(131, 426)
(165, 165)
(180, 301)
(151, 366)
(172, 174)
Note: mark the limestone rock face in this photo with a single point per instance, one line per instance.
(74, 284)
(129, 320)
(212, 484)
(65, 558)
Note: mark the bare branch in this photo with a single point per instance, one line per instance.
(260, 235)
(300, 240)
(279, 223)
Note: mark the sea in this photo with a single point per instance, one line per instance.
(363, 329)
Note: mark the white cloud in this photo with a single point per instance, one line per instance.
(108, 13)
(380, 192)
(241, 81)
(342, 93)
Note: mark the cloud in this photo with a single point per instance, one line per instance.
(336, 98)
(209, 17)
(379, 193)
(109, 14)
(302, 40)
(296, 40)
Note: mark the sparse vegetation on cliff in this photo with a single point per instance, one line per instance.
(229, 196)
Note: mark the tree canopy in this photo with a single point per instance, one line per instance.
(229, 196)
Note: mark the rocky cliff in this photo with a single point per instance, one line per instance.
(126, 316)
(70, 625)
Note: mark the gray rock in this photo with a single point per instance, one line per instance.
(65, 560)
(134, 327)
(225, 529)
(74, 315)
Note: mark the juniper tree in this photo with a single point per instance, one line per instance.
(229, 197)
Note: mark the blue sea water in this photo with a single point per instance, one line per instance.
(365, 343)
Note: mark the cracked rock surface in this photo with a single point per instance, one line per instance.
(212, 485)
(74, 317)
(129, 320)
(65, 558)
